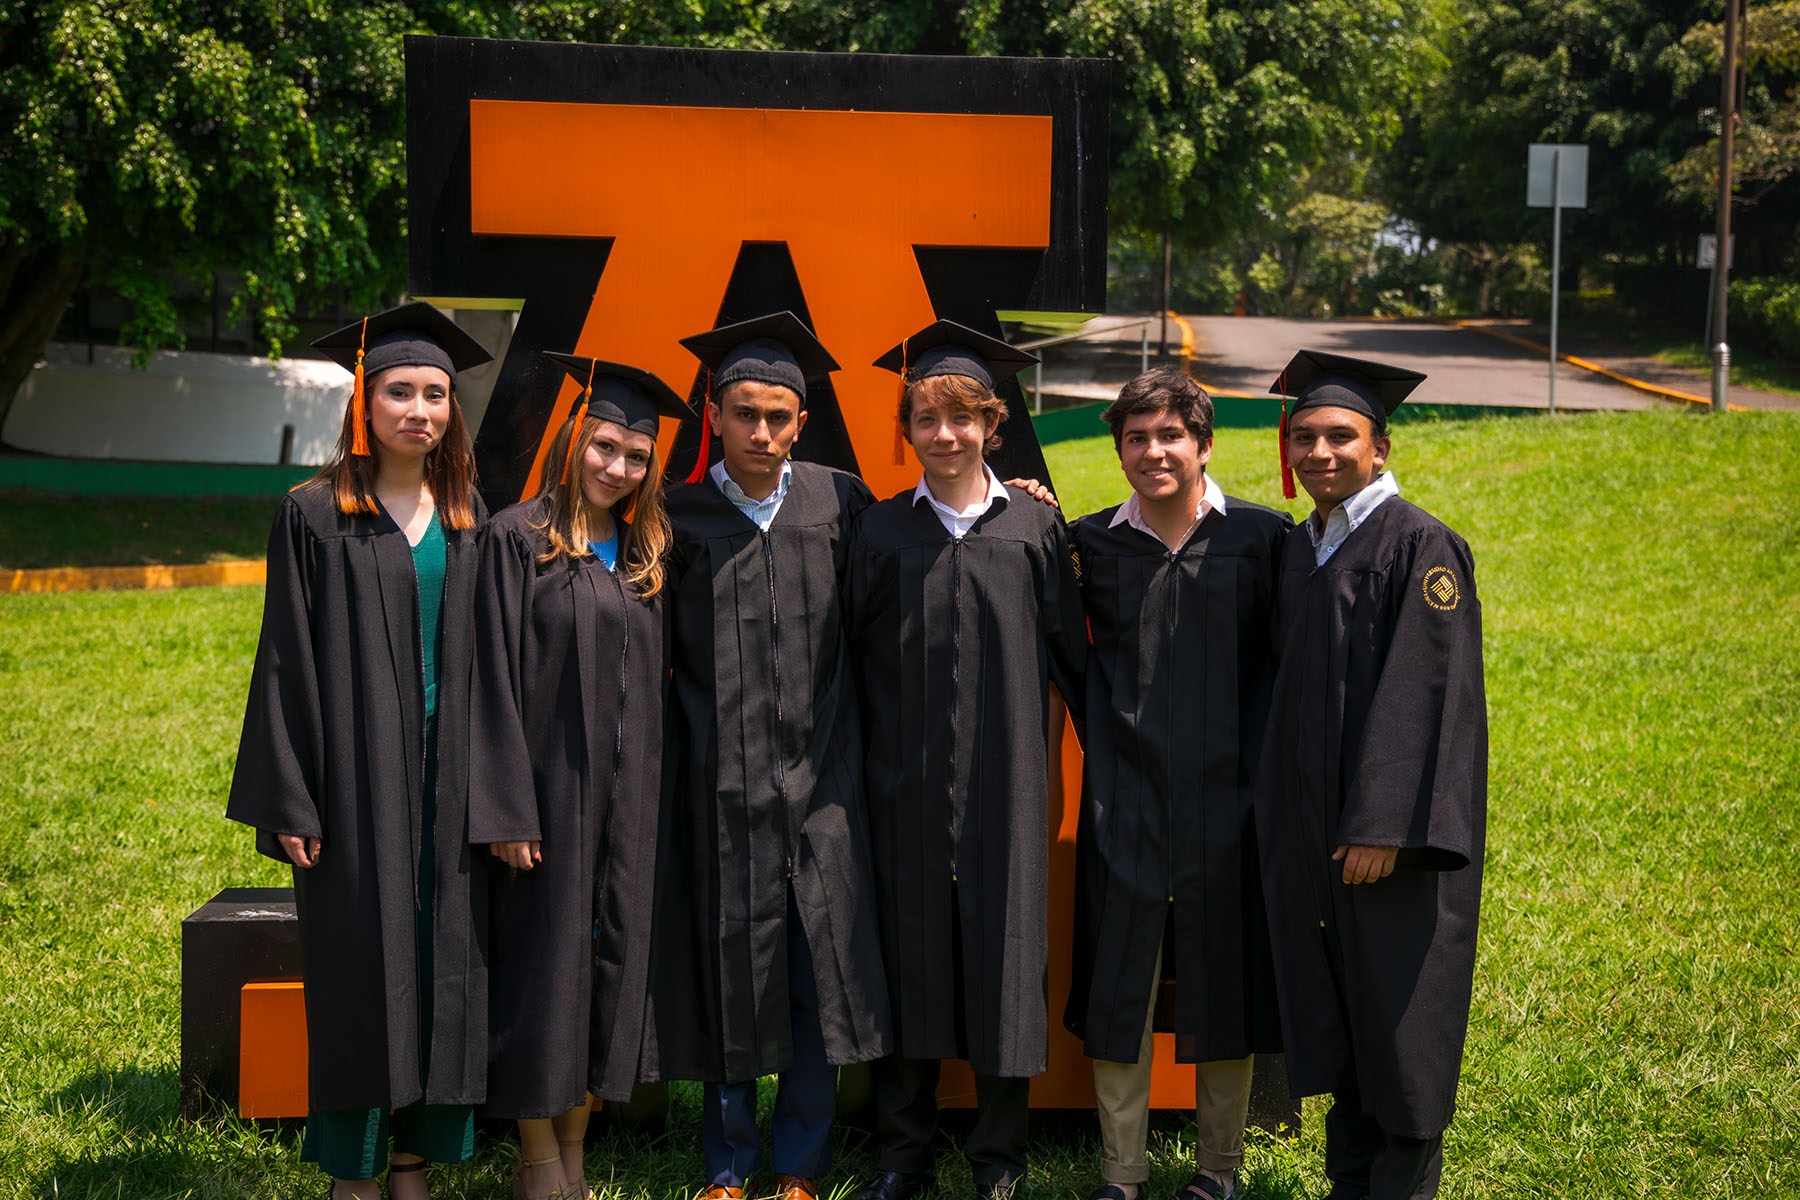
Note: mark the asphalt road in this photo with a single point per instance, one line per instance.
(1462, 366)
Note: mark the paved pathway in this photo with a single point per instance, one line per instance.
(1464, 366)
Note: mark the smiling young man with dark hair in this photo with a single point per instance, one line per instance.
(1177, 583)
(1372, 796)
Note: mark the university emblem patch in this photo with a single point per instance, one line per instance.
(1440, 588)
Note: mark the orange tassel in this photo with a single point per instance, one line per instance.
(587, 393)
(359, 406)
(700, 455)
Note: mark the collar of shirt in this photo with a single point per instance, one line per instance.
(1347, 516)
(761, 512)
(1212, 499)
(959, 523)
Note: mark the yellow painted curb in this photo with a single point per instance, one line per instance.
(1584, 364)
(95, 579)
(1187, 335)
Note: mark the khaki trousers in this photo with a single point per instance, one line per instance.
(1122, 1101)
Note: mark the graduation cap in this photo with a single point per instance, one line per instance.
(775, 349)
(946, 348)
(412, 335)
(1316, 379)
(627, 396)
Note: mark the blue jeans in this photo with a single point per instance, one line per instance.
(805, 1099)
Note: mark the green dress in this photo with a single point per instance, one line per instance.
(352, 1143)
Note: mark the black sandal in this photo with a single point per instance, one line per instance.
(1202, 1188)
(1112, 1191)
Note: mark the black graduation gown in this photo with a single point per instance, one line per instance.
(334, 747)
(764, 753)
(1377, 737)
(1177, 700)
(954, 640)
(567, 717)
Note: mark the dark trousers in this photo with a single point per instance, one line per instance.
(1364, 1160)
(906, 1120)
(805, 1098)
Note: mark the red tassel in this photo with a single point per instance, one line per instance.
(587, 393)
(359, 406)
(701, 455)
(901, 441)
(1287, 472)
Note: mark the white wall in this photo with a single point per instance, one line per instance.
(193, 407)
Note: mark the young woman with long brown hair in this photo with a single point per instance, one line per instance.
(353, 761)
(565, 774)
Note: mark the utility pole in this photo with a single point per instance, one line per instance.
(1721, 351)
(1167, 256)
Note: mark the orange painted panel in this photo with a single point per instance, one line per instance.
(1069, 1083)
(272, 1049)
(850, 193)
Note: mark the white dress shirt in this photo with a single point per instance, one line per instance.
(763, 511)
(959, 523)
(1347, 516)
(1212, 499)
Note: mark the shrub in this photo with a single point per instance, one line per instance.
(1765, 313)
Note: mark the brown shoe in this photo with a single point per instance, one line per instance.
(719, 1191)
(795, 1187)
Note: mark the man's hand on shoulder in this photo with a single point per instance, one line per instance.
(1035, 490)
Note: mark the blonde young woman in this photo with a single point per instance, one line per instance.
(565, 770)
(353, 759)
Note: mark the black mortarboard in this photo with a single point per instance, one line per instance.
(627, 396)
(1319, 380)
(1316, 379)
(623, 395)
(412, 335)
(946, 348)
(777, 349)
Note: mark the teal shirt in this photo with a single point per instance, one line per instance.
(428, 568)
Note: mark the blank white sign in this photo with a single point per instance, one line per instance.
(1571, 180)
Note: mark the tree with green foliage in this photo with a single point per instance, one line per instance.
(1766, 150)
(157, 143)
(160, 143)
(1221, 110)
(1638, 83)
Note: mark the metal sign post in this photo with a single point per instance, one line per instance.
(1707, 259)
(1556, 178)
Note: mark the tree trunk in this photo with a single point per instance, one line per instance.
(35, 287)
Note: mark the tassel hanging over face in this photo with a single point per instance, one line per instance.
(587, 393)
(701, 455)
(901, 440)
(1287, 471)
(359, 405)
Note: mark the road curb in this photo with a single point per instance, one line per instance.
(1586, 365)
(156, 576)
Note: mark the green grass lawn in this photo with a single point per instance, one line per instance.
(1637, 1008)
(97, 531)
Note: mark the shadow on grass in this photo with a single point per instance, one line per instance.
(124, 1137)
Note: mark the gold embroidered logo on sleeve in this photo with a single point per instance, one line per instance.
(1440, 588)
